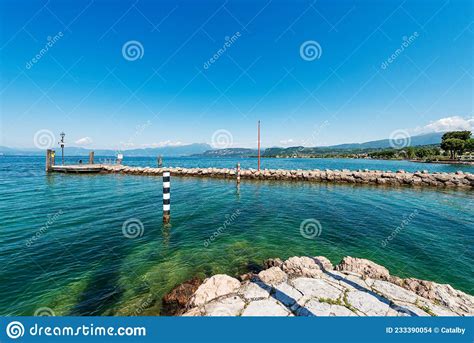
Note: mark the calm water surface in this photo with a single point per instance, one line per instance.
(80, 262)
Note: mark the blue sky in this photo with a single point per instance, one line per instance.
(84, 85)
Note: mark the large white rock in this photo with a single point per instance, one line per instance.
(255, 290)
(454, 300)
(394, 292)
(267, 307)
(213, 287)
(345, 281)
(316, 288)
(316, 308)
(437, 310)
(368, 303)
(272, 276)
(231, 306)
(194, 312)
(403, 309)
(286, 294)
(302, 266)
(363, 267)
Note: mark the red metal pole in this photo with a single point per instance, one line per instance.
(259, 145)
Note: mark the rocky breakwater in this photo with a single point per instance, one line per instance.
(312, 286)
(373, 177)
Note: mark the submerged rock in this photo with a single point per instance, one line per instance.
(175, 302)
(272, 262)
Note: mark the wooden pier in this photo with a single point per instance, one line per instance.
(78, 168)
(88, 168)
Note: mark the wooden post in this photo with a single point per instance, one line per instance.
(259, 145)
(166, 197)
(91, 157)
(237, 172)
(48, 160)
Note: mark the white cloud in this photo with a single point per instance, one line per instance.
(447, 124)
(163, 144)
(84, 141)
(286, 141)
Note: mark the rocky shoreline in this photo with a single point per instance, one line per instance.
(372, 177)
(312, 286)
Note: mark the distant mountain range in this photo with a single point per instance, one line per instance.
(230, 152)
(170, 151)
(421, 140)
(426, 139)
(205, 150)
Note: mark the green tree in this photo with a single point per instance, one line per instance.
(469, 145)
(463, 135)
(410, 152)
(453, 145)
(422, 153)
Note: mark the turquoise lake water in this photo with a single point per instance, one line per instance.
(81, 263)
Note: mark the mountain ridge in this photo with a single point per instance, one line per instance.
(205, 150)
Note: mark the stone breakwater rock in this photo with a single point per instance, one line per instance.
(363, 267)
(214, 287)
(312, 286)
(373, 177)
(175, 301)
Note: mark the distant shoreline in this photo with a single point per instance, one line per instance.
(447, 162)
(468, 163)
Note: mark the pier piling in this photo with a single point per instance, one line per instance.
(91, 157)
(166, 197)
(49, 160)
(237, 173)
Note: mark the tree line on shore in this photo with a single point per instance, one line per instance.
(453, 145)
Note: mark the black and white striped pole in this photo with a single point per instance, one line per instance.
(166, 197)
(238, 173)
